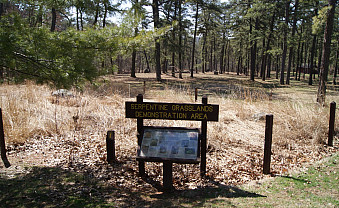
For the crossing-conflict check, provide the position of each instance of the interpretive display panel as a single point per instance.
(170, 143)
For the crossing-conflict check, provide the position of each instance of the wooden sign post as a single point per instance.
(140, 127)
(203, 142)
(192, 142)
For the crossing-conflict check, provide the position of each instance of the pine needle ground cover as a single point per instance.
(56, 145)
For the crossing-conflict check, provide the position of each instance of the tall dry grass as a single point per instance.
(30, 111)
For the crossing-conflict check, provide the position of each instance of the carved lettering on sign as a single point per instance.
(172, 111)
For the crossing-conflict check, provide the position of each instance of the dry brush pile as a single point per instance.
(42, 129)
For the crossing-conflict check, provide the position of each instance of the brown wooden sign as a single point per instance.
(171, 144)
(172, 111)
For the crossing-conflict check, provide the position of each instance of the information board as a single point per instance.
(170, 143)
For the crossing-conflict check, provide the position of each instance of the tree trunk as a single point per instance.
(305, 60)
(81, 21)
(96, 14)
(77, 17)
(194, 36)
(326, 53)
(298, 57)
(301, 60)
(173, 38)
(2, 9)
(336, 65)
(291, 49)
(247, 62)
(180, 39)
(253, 52)
(105, 16)
(214, 54)
(164, 61)
(313, 50)
(314, 41)
(53, 20)
(228, 57)
(204, 48)
(277, 67)
(203, 54)
(222, 53)
(155, 6)
(263, 61)
(268, 46)
(239, 62)
(319, 56)
(39, 17)
(147, 63)
(269, 66)
(283, 60)
(134, 53)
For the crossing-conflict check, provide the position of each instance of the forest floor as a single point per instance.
(56, 145)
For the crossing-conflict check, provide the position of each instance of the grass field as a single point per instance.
(56, 145)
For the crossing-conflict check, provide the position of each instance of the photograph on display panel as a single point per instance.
(170, 143)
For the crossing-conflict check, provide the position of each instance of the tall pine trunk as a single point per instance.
(263, 61)
(155, 7)
(222, 55)
(134, 52)
(301, 60)
(180, 39)
(194, 36)
(268, 46)
(253, 52)
(291, 49)
(173, 38)
(283, 60)
(313, 49)
(336, 64)
(325, 58)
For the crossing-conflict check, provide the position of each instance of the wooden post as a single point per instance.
(110, 146)
(196, 94)
(268, 144)
(140, 127)
(331, 124)
(203, 142)
(167, 176)
(2, 143)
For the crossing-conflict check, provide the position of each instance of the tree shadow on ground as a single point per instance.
(199, 196)
(57, 187)
(225, 85)
(231, 85)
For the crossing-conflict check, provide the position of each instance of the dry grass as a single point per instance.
(235, 143)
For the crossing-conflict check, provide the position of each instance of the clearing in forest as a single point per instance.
(56, 145)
